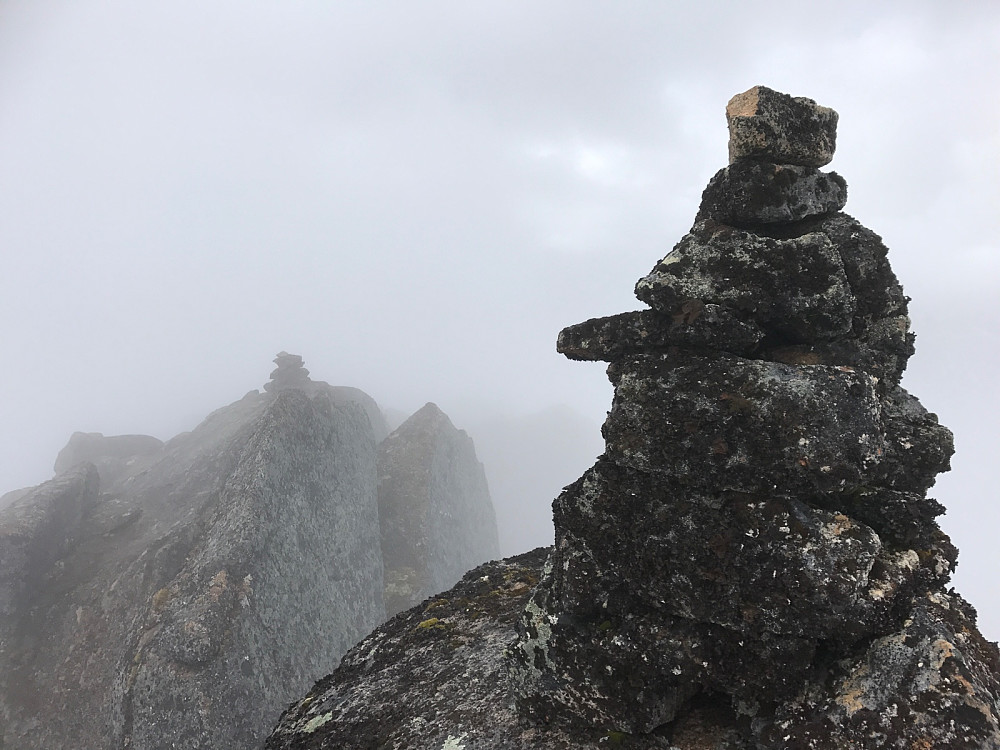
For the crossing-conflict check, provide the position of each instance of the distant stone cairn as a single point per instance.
(290, 374)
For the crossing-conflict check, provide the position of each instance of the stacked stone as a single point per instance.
(289, 374)
(757, 536)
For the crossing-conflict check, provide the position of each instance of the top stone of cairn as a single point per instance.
(767, 125)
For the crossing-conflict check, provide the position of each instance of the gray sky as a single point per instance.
(417, 196)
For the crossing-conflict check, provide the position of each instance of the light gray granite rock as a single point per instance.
(435, 511)
(189, 606)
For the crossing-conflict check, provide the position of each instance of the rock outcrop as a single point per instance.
(435, 512)
(115, 456)
(33, 534)
(179, 595)
(291, 373)
(754, 562)
(219, 575)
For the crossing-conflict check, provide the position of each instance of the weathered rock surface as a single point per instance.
(33, 533)
(754, 562)
(435, 511)
(438, 676)
(766, 124)
(758, 523)
(291, 374)
(345, 394)
(435, 676)
(185, 608)
(749, 193)
(179, 594)
(115, 456)
(695, 325)
(796, 289)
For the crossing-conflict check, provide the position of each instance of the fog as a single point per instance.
(416, 197)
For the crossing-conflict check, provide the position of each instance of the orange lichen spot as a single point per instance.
(219, 583)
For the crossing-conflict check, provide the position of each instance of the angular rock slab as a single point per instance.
(876, 289)
(919, 447)
(765, 564)
(795, 289)
(768, 125)
(727, 423)
(932, 684)
(631, 667)
(750, 193)
(628, 625)
(435, 513)
(648, 331)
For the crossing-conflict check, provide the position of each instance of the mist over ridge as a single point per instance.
(417, 201)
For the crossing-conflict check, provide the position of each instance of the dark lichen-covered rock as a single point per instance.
(820, 292)
(929, 685)
(436, 677)
(435, 512)
(188, 606)
(729, 423)
(700, 593)
(770, 564)
(750, 193)
(696, 325)
(759, 519)
(766, 124)
(754, 562)
(795, 289)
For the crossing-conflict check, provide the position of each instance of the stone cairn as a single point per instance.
(756, 544)
(290, 373)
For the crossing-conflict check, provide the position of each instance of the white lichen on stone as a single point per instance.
(454, 743)
(316, 722)
(908, 559)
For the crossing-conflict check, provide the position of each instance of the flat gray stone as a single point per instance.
(619, 336)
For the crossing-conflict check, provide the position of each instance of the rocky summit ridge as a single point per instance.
(754, 562)
(177, 595)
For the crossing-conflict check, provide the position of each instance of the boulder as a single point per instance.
(435, 676)
(95, 447)
(795, 289)
(768, 125)
(749, 193)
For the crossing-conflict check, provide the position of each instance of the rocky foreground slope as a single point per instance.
(754, 561)
(178, 595)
